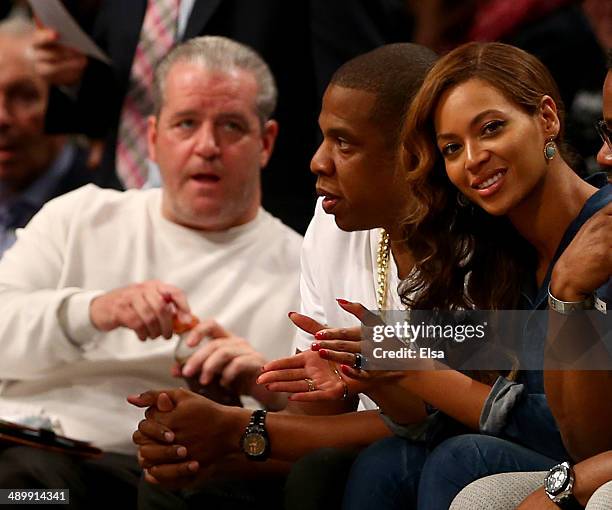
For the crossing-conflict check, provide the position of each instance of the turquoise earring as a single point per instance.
(550, 149)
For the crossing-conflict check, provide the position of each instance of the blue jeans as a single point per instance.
(461, 460)
(385, 475)
(398, 474)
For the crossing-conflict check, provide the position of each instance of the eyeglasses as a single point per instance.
(604, 132)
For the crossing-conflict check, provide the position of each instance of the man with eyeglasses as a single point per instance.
(604, 126)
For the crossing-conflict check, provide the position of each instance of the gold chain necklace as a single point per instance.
(382, 267)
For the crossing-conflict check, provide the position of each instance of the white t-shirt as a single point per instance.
(91, 241)
(337, 264)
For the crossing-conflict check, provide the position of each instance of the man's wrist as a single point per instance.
(565, 306)
(563, 289)
(235, 420)
(97, 318)
(559, 486)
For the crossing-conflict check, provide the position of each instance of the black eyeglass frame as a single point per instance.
(605, 133)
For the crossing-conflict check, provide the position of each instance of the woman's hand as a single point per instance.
(308, 377)
(306, 374)
(344, 346)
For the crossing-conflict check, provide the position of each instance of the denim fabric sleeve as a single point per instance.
(500, 402)
(510, 412)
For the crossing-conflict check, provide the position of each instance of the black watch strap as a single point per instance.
(255, 442)
(562, 496)
(569, 502)
(258, 418)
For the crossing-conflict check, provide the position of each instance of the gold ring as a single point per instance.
(311, 385)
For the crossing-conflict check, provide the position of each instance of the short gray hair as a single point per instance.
(219, 54)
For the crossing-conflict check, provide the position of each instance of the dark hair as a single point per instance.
(450, 242)
(393, 73)
(609, 60)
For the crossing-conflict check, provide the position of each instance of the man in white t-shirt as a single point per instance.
(360, 120)
(98, 272)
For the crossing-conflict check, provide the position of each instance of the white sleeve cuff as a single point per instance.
(74, 318)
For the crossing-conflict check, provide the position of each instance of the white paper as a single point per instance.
(30, 416)
(53, 14)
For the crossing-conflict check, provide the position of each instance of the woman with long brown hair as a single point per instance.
(497, 216)
(484, 152)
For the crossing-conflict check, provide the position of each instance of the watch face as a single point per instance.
(254, 444)
(556, 480)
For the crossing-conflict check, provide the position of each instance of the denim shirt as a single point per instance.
(518, 410)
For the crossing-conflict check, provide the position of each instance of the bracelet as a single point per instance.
(568, 307)
(345, 392)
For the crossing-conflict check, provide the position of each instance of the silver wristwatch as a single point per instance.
(559, 485)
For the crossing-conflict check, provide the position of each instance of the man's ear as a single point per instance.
(152, 137)
(549, 117)
(269, 133)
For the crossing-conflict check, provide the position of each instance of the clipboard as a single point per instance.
(15, 434)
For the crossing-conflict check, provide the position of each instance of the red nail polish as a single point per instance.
(345, 369)
(323, 353)
(315, 346)
(343, 301)
(321, 335)
(289, 314)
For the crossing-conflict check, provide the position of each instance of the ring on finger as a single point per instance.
(359, 361)
(311, 384)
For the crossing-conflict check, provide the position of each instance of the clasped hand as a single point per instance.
(173, 444)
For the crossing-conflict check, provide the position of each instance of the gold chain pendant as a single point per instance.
(382, 266)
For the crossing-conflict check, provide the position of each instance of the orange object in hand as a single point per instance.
(182, 327)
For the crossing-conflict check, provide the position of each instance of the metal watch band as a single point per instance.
(258, 418)
(564, 498)
(568, 307)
